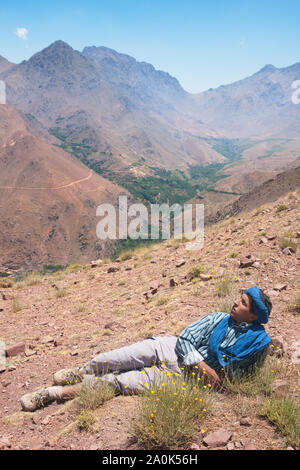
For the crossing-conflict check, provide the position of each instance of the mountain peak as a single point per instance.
(4, 64)
(59, 56)
(267, 68)
(59, 44)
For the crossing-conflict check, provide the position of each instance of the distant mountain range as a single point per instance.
(259, 106)
(133, 128)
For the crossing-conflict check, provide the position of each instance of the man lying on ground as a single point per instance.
(218, 342)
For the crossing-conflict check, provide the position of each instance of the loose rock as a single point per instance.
(218, 438)
(15, 349)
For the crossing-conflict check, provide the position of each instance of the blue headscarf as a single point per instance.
(249, 343)
(258, 306)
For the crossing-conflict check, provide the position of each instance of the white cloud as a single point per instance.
(22, 33)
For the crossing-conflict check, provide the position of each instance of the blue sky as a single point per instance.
(202, 43)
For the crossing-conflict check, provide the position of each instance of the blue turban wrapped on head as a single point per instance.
(259, 308)
(251, 342)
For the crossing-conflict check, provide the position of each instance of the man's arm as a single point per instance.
(213, 377)
(194, 337)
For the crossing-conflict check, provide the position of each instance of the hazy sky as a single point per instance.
(202, 43)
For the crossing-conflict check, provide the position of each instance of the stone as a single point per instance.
(230, 446)
(248, 445)
(47, 339)
(154, 285)
(15, 349)
(30, 352)
(194, 446)
(263, 240)
(287, 251)
(113, 269)
(172, 282)
(180, 263)
(247, 261)
(295, 356)
(46, 421)
(238, 444)
(280, 287)
(271, 237)
(96, 263)
(2, 368)
(280, 388)
(4, 443)
(218, 438)
(245, 422)
(113, 325)
(271, 293)
(205, 277)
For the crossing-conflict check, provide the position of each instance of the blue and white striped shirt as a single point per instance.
(192, 344)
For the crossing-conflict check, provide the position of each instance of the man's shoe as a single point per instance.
(40, 398)
(68, 376)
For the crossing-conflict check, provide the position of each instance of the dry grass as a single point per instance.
(89, 398)
(6, 283)
(225, 286)
(169, 413)
(295, 305)
(284, 413)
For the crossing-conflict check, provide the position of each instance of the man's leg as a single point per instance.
(157, 350)
(152, 351)
(133, 381)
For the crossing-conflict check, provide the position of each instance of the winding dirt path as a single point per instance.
(73, 183)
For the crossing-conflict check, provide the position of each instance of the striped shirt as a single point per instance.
(192, 344)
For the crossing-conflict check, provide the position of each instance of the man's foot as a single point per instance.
(40, 398)
(68, 376)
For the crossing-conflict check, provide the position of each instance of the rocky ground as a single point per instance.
(64, 319)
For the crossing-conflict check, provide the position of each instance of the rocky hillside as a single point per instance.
(62, 320)
(267, 192)
(48, 200)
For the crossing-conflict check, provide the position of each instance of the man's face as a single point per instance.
(241, 310)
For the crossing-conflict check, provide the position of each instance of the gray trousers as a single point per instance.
(134, 368)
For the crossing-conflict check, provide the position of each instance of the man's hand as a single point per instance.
(210, 374)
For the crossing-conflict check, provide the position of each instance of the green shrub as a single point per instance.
(224, 286)
(195, 271)
(284, 412)
(285, 242)
(91, 396)
(6, 283)
(169, 412)
(85, 420)
(282, 207)
(162, 301)
(61, 292)
(125, 255)
(73, 268)
(295, 305)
